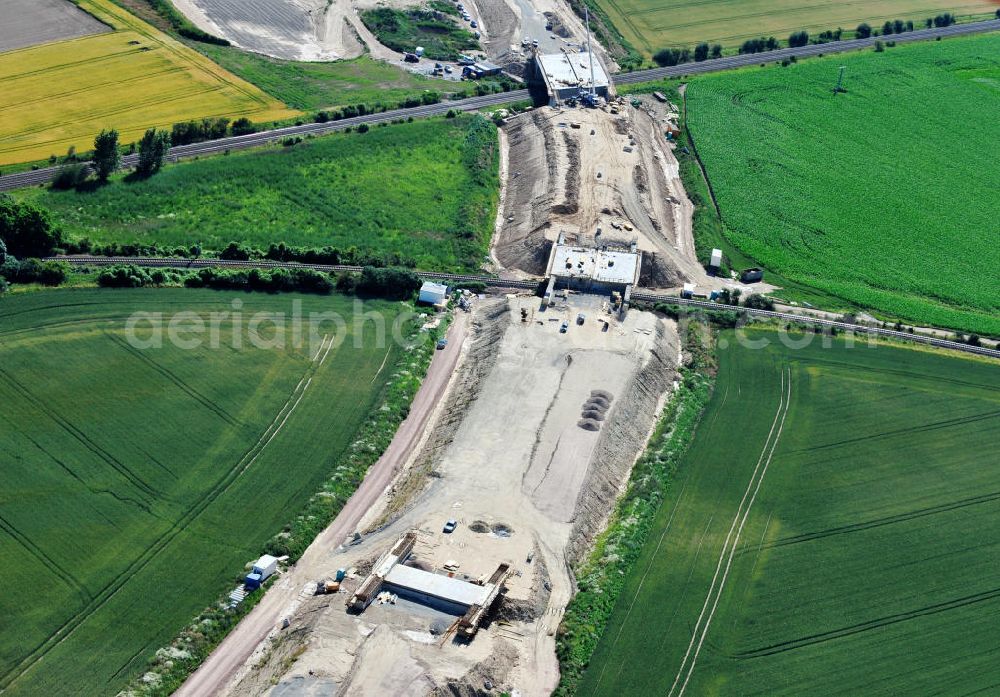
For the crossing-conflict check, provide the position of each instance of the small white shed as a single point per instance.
(716, 258)
(433, 293)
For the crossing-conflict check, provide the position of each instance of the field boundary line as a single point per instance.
(732, 551)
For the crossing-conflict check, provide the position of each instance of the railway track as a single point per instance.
(182, 263)
(46, 174)
(815, 321)
(494, 282)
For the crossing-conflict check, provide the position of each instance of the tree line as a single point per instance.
(390, 283)
(677, 56)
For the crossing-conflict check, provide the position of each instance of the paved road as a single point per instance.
(40, 176)
(236, 648)
(731, 62)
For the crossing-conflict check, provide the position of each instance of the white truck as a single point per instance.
(262, 570)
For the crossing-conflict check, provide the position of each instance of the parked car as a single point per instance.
(450, 526)
(441, 344)
(564, 327)
(580, 318)
(473, 24)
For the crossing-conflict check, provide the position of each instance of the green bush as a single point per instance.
(26, 229)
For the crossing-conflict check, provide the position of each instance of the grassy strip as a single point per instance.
(601, 577)
(437, 212)
(179, 23)
(171, 666)
(607, 34)
(310, 86)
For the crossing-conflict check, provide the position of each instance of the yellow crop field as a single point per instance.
(62, 94)
(650, 25)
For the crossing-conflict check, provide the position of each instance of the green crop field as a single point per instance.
(650, 25)
(138, 481)
(885, 196)
(426, 191)
(842, 540)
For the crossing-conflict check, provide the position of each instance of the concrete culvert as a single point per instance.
(589, 425)
(593, 414)
(479, 526)
(602, 394)
(502, 530)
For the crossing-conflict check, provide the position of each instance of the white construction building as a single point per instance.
(568, 75)
(604, 269)
(433, 293)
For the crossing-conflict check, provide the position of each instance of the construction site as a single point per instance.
(460, 574)
(456, 579)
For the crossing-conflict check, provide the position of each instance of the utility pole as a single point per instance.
(840, 81)
(586, 19)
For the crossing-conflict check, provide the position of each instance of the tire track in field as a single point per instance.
(78, 478)
(677, 505)
(88, 89)
(909, 430)
(888, 520)
(43, 558)
(909, 375)
(177, 381)
(82, 63)
(732, 540)
(84, 440)
(115, 585)
(877, 623)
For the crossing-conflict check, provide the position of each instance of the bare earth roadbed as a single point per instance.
(507, 458)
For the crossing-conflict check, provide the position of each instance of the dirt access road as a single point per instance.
(280, 599)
